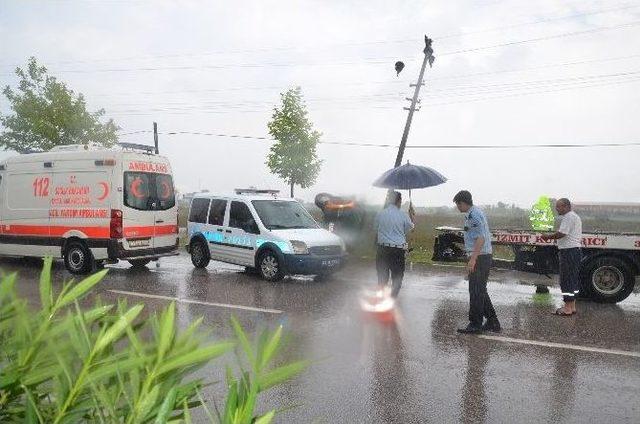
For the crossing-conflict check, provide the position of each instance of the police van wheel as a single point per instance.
(270, 267)
(199, 254)
(139, 263)
(77, 258)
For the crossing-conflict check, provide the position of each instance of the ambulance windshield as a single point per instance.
(148, 191)
(283, 215)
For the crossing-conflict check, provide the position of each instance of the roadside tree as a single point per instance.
(47, 114)
(293, 156)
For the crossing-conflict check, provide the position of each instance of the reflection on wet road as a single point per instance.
(542, 368)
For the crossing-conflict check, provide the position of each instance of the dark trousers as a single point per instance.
(390, 260)
(480, 305)
(570, 272)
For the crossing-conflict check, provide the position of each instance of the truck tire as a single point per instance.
(270, 266)
(200, 256)
(78, 258)
(608, 279)
(138, 263)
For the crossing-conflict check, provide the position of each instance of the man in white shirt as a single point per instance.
(569, 237)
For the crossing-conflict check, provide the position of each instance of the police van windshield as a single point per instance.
(147, 191)
(283, 215)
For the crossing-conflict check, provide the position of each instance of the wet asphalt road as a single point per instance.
(542, 368)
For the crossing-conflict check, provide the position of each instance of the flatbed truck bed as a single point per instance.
(610, 263)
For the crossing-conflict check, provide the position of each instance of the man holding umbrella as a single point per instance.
(392, 227)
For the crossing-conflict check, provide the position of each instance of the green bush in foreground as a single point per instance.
(107, 364)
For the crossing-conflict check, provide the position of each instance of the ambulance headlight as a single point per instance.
(299, 247)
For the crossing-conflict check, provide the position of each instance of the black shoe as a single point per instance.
(470, 329)
(492, 325)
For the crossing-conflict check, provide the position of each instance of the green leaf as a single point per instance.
(33, 415)
(250, 404)
(281, 374)
(107, 370)
(231, 405)
(146, 404)
(244, 342)
(271, 347)
(40, 374)
(197, 356)
(46, 297)
(81, 288)
(7, 286)
(117, 329)
(187, 413)
(266, 418)
(167, 329)
(166, 409)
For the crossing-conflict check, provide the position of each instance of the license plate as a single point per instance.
(331, 262)
(139, 242)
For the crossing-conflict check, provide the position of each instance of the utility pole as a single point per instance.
(155, 137)
(428, 58)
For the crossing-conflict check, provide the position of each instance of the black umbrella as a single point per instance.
(408, 177)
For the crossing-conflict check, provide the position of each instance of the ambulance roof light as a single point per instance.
(139, 147)
(77, 147)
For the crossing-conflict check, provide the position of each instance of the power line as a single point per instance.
(355, 44)
(440, 146)
(385, 82)
(545, 38)
(467, 92)
(367, 61)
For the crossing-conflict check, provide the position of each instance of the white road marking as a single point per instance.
(198, 302)
(561, 346)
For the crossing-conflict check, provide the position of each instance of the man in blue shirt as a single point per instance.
(477, 244)
(392, 226)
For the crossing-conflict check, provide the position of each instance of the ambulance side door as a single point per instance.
(26, 224)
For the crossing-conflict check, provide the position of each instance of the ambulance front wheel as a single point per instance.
(78, 258)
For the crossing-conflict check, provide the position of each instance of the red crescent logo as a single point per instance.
(135, 188)
(166, 190)
(105, 190)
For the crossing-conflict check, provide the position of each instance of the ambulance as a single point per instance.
(89, 206)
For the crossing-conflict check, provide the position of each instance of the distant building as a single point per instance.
(606, 209)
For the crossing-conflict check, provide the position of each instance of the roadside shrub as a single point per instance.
(60, 363)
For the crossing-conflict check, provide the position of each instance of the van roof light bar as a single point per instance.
(137, 146)
(240, 191)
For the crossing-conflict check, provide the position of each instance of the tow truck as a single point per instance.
(610, 263)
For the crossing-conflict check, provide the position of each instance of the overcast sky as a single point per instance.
(569, 73)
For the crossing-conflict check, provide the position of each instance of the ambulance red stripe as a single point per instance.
(52, 231)
(92, 232)
(150, 231)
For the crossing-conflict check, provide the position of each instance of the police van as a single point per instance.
(270, 235)
(89, 206)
